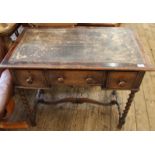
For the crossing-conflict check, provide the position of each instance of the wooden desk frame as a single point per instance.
(132, 71)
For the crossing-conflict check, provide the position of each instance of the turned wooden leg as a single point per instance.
(31, 111)
(127, 107)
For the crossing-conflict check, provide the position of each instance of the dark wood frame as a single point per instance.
(78, 66)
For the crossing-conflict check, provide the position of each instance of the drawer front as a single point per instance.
(29, 78)
(121, 80)
(76, 77)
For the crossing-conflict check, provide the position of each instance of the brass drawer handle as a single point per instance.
(60, 79)
(122, 83)
(90, 80)
(29, 80)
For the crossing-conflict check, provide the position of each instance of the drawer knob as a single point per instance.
(122, 83)
(29, 80)
(61, 79)
(90, 80)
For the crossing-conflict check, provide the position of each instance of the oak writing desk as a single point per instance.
(107, 57)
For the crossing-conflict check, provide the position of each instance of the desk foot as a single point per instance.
(126, 110)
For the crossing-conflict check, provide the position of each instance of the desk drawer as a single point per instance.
(121, 80)
(29, 78)
(76, 77)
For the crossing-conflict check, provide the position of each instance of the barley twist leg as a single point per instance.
(126, 110)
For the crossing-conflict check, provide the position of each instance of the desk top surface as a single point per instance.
(78, 48)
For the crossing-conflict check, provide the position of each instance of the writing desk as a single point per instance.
(107, 57)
